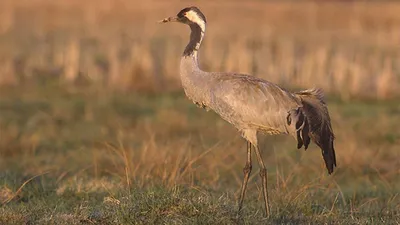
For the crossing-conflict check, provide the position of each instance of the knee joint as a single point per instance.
(247, 168)
(263, 172)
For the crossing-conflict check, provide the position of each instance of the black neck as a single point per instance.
(196, 37)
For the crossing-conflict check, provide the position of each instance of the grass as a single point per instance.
(84, 155)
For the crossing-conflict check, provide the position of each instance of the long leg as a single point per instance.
(246, 172)
(263, 174)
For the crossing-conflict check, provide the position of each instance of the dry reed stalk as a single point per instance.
(234, 52)
(307, 70)
(114, 72)
(286, 60)
(142, 65)
(72, 58)
(266, 62)
(157, 53)
(339, 70)
(357, 78)
(209, 61)
(90, 69)
(171, 61)
(385, 81)
(7, 73)
(58, 56)
(321, 64)
(245, 58)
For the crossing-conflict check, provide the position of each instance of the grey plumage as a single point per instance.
(253, 105)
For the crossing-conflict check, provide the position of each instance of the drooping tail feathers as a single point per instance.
(313, 122)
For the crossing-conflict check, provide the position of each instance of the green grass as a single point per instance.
(132, 158)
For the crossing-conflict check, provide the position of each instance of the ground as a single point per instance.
(88, 156)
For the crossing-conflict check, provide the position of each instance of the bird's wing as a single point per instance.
(249, 101)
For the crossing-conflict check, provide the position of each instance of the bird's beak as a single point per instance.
(169, 19)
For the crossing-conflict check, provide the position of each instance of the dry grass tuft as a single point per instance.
(118, 157)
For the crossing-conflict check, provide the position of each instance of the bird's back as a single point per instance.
(249, 102)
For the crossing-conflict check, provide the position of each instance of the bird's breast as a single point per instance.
(197, 90)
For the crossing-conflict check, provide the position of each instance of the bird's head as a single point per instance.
(189, 15)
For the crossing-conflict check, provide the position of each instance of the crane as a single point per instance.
(253, 105)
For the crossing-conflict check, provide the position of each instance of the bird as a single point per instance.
(253, 105)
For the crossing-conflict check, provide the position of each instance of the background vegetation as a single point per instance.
(94, 126)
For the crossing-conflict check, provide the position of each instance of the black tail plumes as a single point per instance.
(313, 121)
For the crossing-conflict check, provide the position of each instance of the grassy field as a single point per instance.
(95, 129)
(88, 156)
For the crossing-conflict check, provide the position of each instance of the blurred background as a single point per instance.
(91, 102)
(348, 48)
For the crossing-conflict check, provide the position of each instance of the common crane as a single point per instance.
(253, 105)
